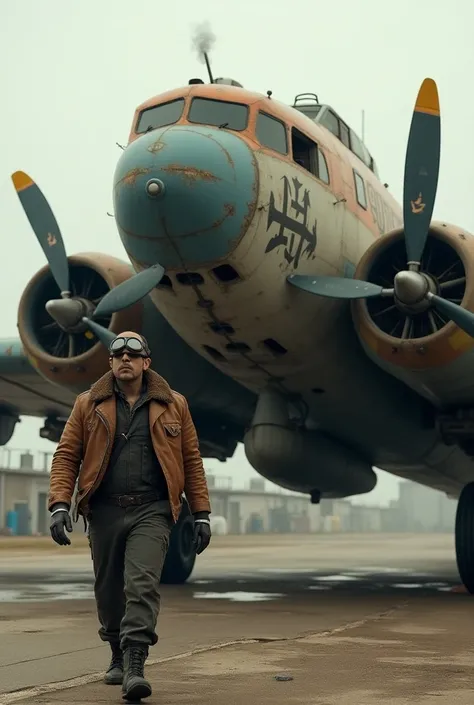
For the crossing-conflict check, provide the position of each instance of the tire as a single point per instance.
(181, 555)
(465, 537)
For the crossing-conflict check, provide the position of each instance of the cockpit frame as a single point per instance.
(326, 116)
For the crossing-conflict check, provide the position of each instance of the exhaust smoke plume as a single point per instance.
(203, 40)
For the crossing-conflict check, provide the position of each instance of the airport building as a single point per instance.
(260, 507)
(24, 483)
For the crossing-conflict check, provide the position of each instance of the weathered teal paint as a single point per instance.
(349, 269)
(211, 186)
(11, 348)
(12, 357)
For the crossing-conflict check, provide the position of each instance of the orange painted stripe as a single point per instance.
(21, 181)
(428, 100)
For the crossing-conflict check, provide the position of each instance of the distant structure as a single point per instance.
(260, 507)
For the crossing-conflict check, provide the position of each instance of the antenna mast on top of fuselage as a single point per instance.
(206, 59)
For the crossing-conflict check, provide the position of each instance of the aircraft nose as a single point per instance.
(184, 195)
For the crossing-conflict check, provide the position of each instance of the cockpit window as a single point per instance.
(233, 116)
(160, 116)
(271, 133)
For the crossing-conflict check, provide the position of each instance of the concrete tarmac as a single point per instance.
(349, 618)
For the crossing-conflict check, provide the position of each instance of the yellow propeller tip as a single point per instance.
(428, 100)
(21, 181)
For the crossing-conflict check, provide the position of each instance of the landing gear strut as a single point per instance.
(465, 537)
(181, 555)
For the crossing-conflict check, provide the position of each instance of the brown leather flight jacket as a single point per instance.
(86, 445)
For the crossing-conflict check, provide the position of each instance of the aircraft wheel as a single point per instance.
(465, 537)
(181, 555)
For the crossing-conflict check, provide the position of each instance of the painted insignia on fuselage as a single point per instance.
(293, 222)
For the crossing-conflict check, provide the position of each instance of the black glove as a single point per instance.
(202, 531)
(59, 520)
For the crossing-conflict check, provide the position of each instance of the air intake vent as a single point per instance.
(225, 273)
(221, 328)
(165, 283)
(238, 347)
(274, 347)
(189, 278)
(214, 353)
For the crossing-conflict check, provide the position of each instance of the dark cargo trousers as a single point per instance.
(128, 547)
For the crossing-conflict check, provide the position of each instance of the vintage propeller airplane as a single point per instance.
(249, 224)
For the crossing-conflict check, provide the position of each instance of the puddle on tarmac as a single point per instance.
(284, 571)
(238, 596)
(441, 587)
(47, 593)
(366, 581)
(370, 569)
(337, 578)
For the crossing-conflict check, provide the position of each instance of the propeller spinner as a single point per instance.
(76, 313)
(414, 291)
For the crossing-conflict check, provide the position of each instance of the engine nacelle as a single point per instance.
(431, 355)
(301, 459)
(75, 360)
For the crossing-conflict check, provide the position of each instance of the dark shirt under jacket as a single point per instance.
(137, 469)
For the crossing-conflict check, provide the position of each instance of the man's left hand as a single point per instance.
(202, 531)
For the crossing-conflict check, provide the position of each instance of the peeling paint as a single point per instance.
(218, 168)
(131, 176)
(229, 211)
(190, 173)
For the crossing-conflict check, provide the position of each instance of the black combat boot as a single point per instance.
(134, 685)
(114, 675)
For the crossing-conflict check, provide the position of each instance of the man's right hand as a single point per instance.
(60, 520)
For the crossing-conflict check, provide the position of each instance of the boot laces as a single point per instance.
(137, 662)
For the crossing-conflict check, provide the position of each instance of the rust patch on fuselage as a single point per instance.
(190, 173)
(131, 176)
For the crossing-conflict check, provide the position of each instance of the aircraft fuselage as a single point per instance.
(230, 209)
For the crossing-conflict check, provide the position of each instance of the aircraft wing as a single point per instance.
(23, 391)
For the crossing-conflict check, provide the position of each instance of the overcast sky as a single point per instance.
(72, 74)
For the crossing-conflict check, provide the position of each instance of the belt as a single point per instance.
(131, 500)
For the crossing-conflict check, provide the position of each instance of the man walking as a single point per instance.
(132, 442)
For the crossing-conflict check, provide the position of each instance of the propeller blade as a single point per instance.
(421, 170)
(45, 227)
(103, 334)
(462, 318)
(337, 287)
(129, 292)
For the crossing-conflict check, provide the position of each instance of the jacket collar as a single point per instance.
(157, 388)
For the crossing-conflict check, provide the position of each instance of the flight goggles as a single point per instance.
(134, 346)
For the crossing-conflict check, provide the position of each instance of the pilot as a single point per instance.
(130, 488)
